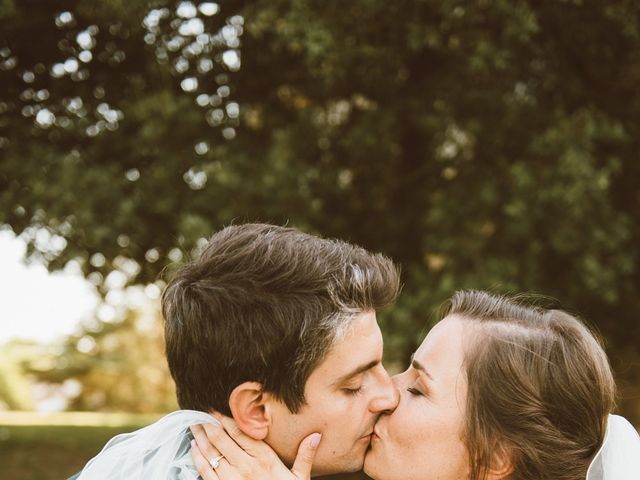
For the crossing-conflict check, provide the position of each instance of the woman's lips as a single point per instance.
(367, 436)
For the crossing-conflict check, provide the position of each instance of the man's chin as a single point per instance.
(332, 466)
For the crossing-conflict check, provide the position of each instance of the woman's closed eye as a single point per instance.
(415, 392)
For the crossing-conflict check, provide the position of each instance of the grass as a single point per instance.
(55, 446)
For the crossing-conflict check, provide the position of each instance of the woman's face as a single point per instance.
(422, 438)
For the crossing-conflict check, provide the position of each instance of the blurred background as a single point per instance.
(481, 144)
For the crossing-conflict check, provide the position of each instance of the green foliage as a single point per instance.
(480, 144)
(15, 387)
(117, 366)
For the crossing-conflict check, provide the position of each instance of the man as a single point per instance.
(277, 328)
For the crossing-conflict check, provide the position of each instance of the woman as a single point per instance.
(499, 389)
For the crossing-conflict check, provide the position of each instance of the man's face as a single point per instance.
(344, 396)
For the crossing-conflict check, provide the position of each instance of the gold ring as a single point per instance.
(215, 462)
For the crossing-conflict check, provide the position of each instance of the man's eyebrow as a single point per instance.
(357, 371)
(418, 366)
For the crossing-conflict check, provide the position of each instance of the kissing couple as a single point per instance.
(272, 340)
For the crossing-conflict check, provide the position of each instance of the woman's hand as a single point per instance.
(236, 456)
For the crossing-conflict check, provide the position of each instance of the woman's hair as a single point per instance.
(539, 388)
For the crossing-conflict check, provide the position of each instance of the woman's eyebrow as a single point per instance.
(418, 366)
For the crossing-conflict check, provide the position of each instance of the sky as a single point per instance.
(36, 304)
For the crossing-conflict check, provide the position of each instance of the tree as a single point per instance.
(487, 145)
(15, 391)
(116, 366)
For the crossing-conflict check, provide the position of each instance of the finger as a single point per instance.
(209, 451)
(202, 464)
(306, 453)
(221, 440)
(250, 445)
(224, 469)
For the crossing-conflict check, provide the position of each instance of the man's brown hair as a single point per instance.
(540, 387)
(265, 303)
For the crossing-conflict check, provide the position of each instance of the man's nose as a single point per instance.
(399, 380)
(388, 397)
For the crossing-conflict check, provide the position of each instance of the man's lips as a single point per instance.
(367, 436)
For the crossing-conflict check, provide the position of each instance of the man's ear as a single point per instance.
(247, 405)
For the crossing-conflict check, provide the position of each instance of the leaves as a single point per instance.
(486, 145)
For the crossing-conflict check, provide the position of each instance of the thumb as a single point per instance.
(306, 453)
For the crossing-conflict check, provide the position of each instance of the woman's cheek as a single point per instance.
(404, 426)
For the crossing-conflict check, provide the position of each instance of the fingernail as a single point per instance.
(315, 440)
(193, 443)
